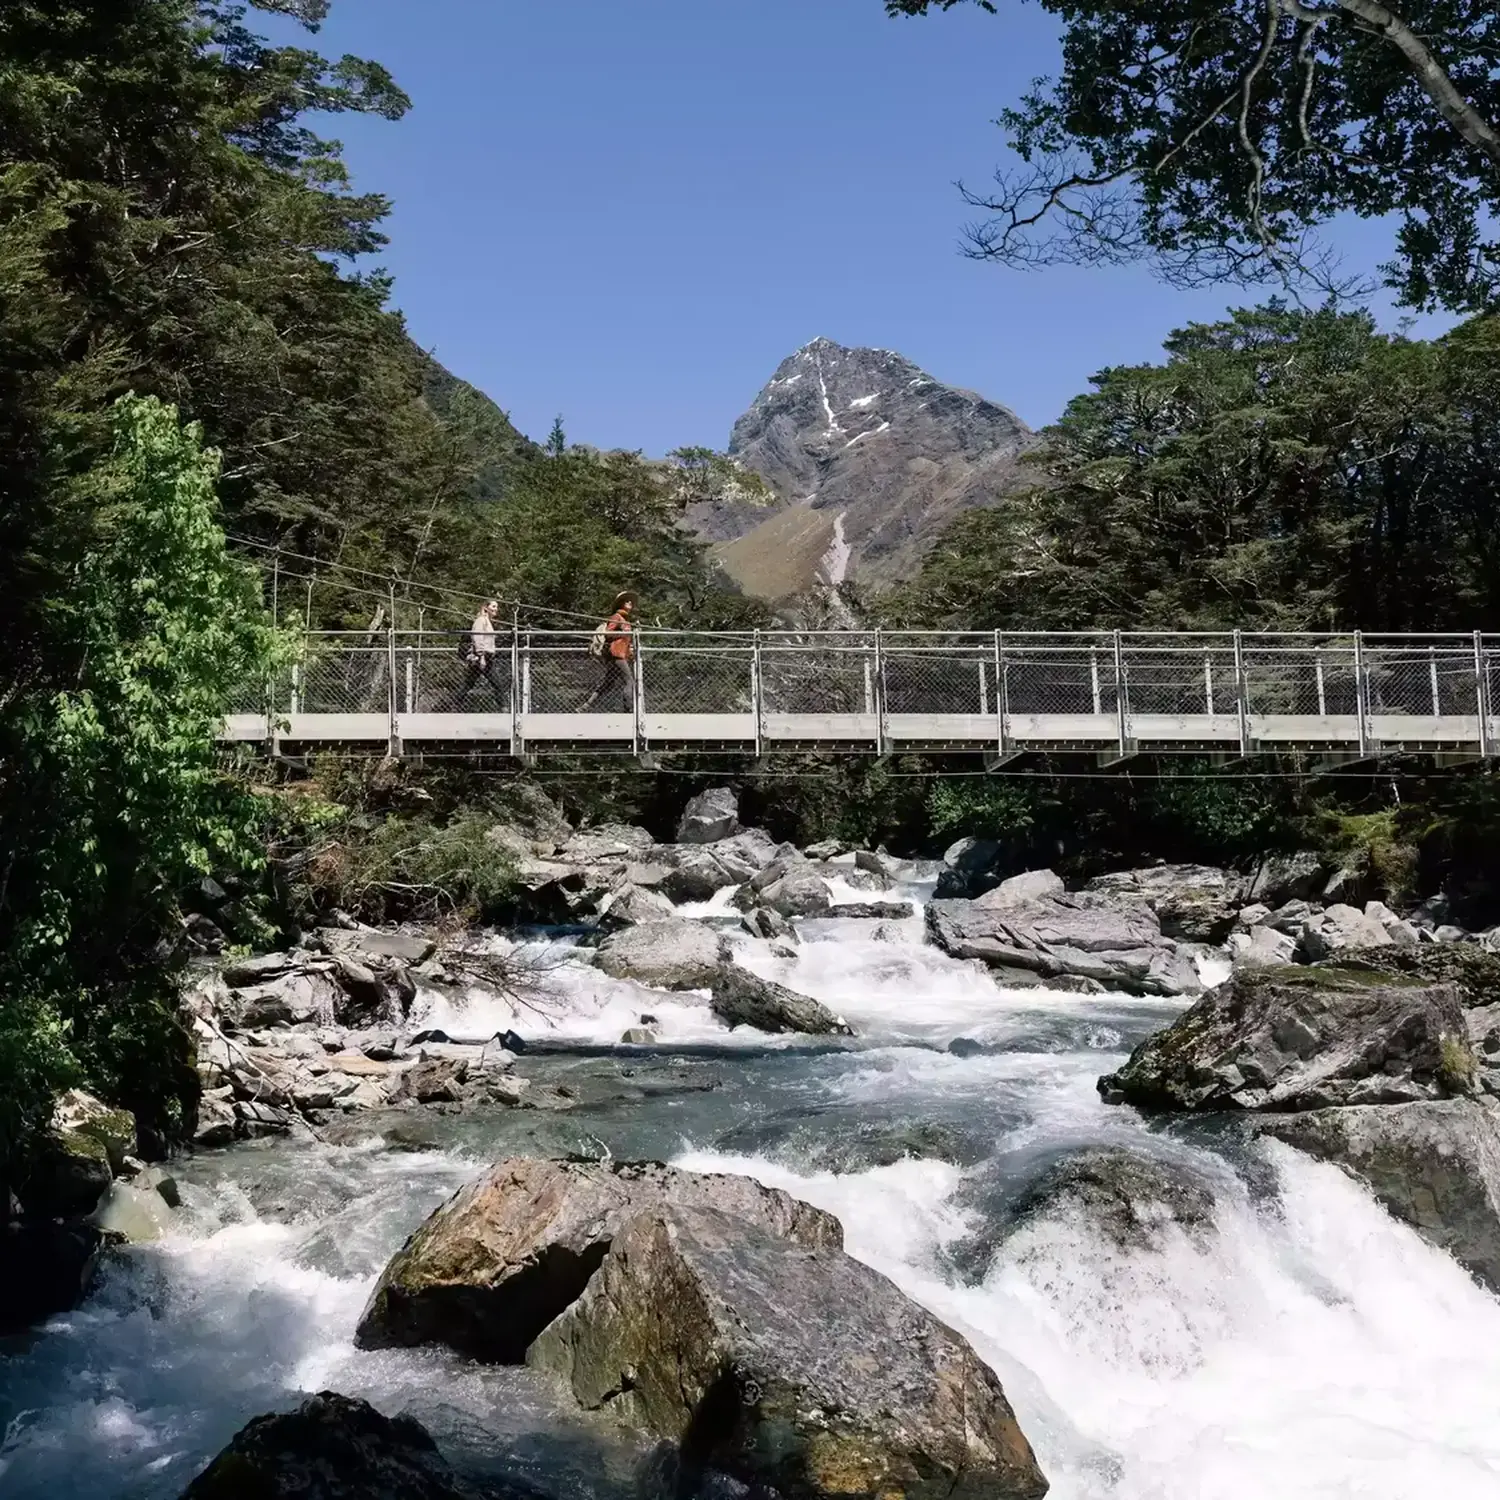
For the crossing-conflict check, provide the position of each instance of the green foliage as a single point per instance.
(1213, 135)
(1281, 470)
(1458, 1068)
(398, 868)
(112, 798)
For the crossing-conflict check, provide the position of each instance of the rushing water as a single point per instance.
(1310, 1349)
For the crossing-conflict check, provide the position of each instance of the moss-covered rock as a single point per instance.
(1302, 1038)
(79, 1113)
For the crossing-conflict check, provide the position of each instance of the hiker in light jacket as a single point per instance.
(617, 661)
(477, 649)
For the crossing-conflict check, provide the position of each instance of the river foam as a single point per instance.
(1309, 1349)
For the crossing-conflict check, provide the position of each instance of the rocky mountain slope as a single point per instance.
(870, 458)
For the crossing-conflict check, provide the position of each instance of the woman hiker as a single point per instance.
(614, 645)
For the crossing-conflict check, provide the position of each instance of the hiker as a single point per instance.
(613, 645)
(477, 651)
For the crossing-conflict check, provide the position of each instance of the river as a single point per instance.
(1310, 1349)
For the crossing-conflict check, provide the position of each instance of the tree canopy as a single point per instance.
(1216, 136)
(1281, 470)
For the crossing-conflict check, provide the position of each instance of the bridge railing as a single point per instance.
(890, 686)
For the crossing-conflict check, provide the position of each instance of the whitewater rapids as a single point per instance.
(1311, 1349)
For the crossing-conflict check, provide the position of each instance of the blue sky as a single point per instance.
(630, 211)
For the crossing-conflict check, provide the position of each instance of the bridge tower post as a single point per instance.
(880, 735)
(517, 743)
(1241, 704)
(1361, 695)
(1482, 695)
(757, 698)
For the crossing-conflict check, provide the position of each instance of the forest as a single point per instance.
(198, 363)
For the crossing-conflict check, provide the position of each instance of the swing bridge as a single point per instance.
(1110, 695)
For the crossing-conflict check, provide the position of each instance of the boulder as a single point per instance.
(1280, 878)
(1435, 1166)
(216, 1121)
(826, 849)
(638, 1036)
(873, 911)
(66, 1174)
(695, 874)
(1302, 1038)
(45, 1268)
(246, 973)
(1108, 940)
(505, 1255)
(132, 1214)
(1261, 948)
(1337, 929)
(609, 843)
(631, 905)
(741, 998)
(333, 1448)
(969, 869)
(789, 888)
(797, 1372)
(1194, 903)
(762, 922)
(79, 1113)
(878, 862)
(1132, 1200)
(711, 815)
(669, 955)
(433, 1081)
(1034, 885)
(379, 948)
(308, 993)
(748, 852)
(1397, 929)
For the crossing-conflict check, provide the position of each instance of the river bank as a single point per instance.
(1290, 1338)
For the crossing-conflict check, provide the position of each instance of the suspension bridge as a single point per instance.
(1111, 695)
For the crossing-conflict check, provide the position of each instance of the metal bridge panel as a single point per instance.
(582, 728)
(837, 729)
(447, 726)
(335, 728)
(705, 729)
(245, 728)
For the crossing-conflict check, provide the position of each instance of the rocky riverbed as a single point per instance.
(1255, 1259)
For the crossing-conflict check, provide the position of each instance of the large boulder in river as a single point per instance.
(1196, 903)
(333, 1448)
(1280, 878)
(969, 868)
(1303, 1038)
(1436, 1166)
(1115, 942)
(798, 1370)
(741, 998)
(505, 1255)
(789, 886)
(46, 1267)
(711, 815)
(676, 954)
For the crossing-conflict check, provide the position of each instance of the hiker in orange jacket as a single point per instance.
(617, 656)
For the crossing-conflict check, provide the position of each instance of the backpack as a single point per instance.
(466, 651)
(599, 641)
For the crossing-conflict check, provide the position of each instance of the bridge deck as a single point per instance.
(1114, 695)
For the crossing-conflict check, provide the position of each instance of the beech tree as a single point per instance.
(1216, 136)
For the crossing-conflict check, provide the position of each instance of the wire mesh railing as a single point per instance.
(1109, 683)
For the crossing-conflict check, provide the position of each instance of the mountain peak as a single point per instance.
(875, 456)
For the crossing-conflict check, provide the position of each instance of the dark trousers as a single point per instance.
(479, 669)
(616, 672)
